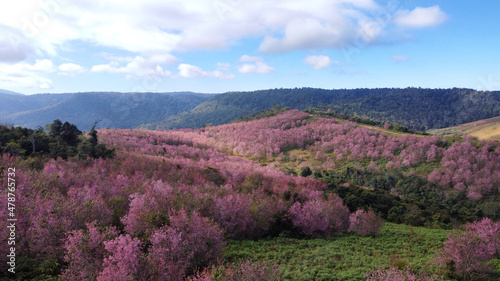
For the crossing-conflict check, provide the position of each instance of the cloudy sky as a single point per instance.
(215, 46)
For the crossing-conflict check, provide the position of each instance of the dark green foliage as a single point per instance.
(22, 141)
(70, 134)
(407, 199)
(275, 110)
(30, 268)
(305, 172)
(346, 257)
(362, 120)
(61, 140)
(91, 148)
(413, 108)
(214, 175)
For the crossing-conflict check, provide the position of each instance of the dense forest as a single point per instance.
(61, 140)
(415, 108)
(285, 195)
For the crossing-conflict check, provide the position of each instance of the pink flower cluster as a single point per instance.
(365, 223)
(467, 252)
(467, 168)
(163, 204)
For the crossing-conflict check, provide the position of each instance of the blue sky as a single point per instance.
(215, 46)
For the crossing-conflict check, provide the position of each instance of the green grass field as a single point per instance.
(347, 257)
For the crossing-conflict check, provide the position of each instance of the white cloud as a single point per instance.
(167, 26)
(247, 58)
(71, 68)
(307, 33)
(103, 68)
(42, 65)
(399, 58)
(46, 85)
(421, 17)
(318, 62)
(223, 66)
(138, 66)
(25, 75)
(151, 30)
(255, 65)
(175, 25)
(192, 71)
(13, 46)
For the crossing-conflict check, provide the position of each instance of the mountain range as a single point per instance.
(114, 110)
(415, 108)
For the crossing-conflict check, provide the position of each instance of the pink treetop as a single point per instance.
(365, 223)
(125, 261)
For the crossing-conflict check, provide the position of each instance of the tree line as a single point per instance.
(58, 139)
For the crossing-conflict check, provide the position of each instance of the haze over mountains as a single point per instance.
(416, 108)
(115, 110)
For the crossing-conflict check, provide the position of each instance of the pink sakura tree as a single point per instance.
(245, 216)
(365, 223)
(125, 262)
(85, 252)
(190, 241)
(467, 252)
(470, 169)
(320, 217)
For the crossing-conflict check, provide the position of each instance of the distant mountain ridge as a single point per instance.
(2, 91)
(115, 110)
(415, 108)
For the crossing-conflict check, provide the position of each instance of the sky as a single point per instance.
(216, 46)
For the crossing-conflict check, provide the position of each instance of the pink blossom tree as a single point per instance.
(190, 241)
(467, 252)
(85, 252)
(365, 223)
(125, 262)
(319, 216)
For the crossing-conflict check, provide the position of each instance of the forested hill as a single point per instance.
(115, 110)
(416, 108)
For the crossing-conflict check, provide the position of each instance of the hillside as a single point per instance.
(288, 197)
(116, 110)
(487, 129)
(415, 108)
(2, 91)
(12, 104)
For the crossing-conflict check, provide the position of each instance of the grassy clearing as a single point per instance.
(391, 133)
(487, 129)
(347, 257)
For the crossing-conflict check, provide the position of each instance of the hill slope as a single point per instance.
(2, 91)
(169, 196)
(416, 108)
(12, 104)
(116, 110)
(487, 129)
